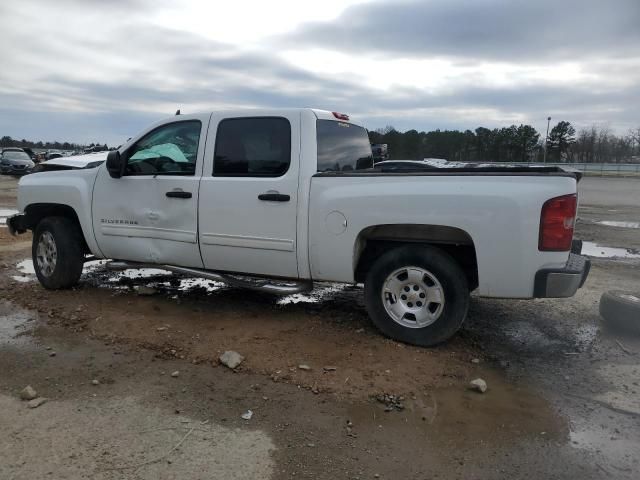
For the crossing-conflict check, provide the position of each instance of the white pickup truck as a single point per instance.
(277, 199)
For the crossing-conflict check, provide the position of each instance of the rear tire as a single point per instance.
(417, 295)
(58, 252)
(621, 310)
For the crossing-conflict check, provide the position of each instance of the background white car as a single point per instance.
(89, 160)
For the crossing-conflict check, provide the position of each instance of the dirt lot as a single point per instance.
(563, 398)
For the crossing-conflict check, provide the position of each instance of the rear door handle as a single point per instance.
(178, 194)
(274, 197)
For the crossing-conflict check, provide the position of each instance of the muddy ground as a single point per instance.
(563, 398)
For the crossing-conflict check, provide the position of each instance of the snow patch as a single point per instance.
(5, 213)
(620, 224)
(26, 267)
(315, 296)
(23, 279)
(592, 249)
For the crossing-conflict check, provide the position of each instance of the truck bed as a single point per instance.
(420, 167)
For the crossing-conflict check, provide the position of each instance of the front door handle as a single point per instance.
(274, 197)
(178, 194)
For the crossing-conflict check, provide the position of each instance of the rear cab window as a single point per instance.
(252, 147)
(342, 147)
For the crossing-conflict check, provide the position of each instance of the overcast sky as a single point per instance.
(92, 70)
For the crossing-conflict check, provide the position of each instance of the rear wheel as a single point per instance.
(417, 294)
(57, 252)
(621, 310)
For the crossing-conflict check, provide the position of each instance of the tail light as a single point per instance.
(557, 221)
(340, 116)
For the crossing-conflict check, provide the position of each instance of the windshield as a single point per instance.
(342, 147)
(12, 155)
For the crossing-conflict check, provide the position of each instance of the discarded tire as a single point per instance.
(621, 310)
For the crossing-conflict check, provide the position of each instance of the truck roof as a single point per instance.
(319, 113)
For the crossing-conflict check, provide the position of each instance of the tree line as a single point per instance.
(516, 143)
(7, 141)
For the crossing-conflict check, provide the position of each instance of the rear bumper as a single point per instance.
(563, 282)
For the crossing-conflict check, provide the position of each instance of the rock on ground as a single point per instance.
(231, 359)
(28, 393)
(479, 385)
(36, 402)
(247, 415)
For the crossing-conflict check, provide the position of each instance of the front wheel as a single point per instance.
(417, 295)
(57, 252)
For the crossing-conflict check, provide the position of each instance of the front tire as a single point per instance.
(58, 253)
(417, 295)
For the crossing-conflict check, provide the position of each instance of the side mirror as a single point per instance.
(115, 164)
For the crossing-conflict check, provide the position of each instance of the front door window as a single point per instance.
(169, 150)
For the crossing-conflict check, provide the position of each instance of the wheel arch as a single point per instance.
(375, 239)
(36, 212)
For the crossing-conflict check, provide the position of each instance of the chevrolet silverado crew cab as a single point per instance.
(277, 199)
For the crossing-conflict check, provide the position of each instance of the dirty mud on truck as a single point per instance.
(128, 363)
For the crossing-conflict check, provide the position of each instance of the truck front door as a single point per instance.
(150, 213)
(249, 195)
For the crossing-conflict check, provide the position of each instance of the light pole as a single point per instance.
(546, 140)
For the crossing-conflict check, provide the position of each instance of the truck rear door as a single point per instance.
(249, 194)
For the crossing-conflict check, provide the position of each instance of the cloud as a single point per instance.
(477, 30)
(92, 71)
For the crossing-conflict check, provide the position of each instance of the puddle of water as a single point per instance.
(615, 438)
(4, 213)
(624, 394)
(592, 249)
(620, 224)
(14, 325)
(454, 415)
(616, 451)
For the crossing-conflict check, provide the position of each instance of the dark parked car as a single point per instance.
(15, 161)
(29, 152)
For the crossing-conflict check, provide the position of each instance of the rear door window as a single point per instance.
(342, 147)
(253, 147)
